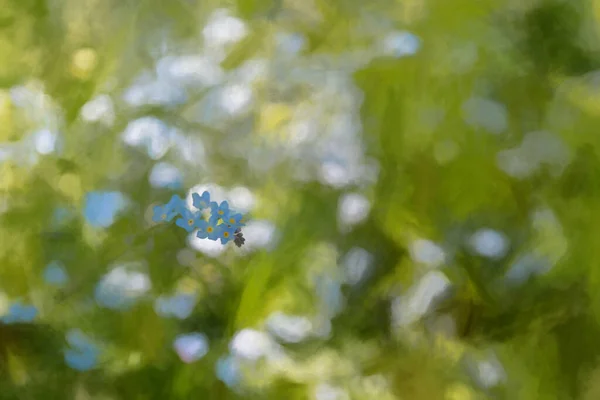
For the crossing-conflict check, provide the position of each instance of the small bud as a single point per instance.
(239, 238)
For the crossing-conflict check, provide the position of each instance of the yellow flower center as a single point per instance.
(209, 229)
(190, 222)
(232, 220)
(164, 216)
(220, 212)
(225, 234)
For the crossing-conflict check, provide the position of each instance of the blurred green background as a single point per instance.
(422, 180)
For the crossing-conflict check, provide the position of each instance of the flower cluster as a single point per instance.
(222, 223)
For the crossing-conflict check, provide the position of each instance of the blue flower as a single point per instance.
(235, 220)
(208, 229)
(18, 313)
(226, 233)
(219, 211)
(191, 347)
(81, 360)
(228, 370)
(180, 306)
(201, 202)
(82, 354)
(189, 220)
(176, 204)
(102, 208)
(55, 274)
(168, 211)
(162, 214)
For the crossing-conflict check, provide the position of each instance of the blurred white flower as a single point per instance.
(208, 247)
(217, 193)
(252, 345)
(242, 199)
(427, 252)
(259, 234)
(412, 306)
(121, 287)
(190, 70)
(352, 209)
(236, 98)
(99, 109)
(151, 133)
(288, 328)
(39, 108)
(356, 264)
(325, 391)
(487, 372)
(487, 114)
(538, 148)
(189, 148)
(149, 91)
(191, 347)
(165, 175)
(515, 163)
(300, 131)
(223, 29)
(289, 43)
(335, 174)
(45, 141)
(400, 43)
(251, 71)
(489, 243)
(490, 374)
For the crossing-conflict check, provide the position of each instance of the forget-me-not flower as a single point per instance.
(226, 233)
(189, 220)
(220, 211)
(208, 229)
(201, 202)
(176, 204)
(167, 212)
(222, 223)
(235, 220)
(161, 214)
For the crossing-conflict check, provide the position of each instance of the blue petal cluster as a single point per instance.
(82, 354)
(19, 314)
(223, 223)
